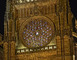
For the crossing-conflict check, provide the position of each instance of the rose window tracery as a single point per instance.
(37, 33)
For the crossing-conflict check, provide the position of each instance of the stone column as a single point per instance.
(58, 38)
(12, 50)
(67, 45)
(59, 49)
(5, 46)
(67, 48)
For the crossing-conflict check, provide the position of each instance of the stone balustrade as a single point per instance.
(52, 47)
(27, 1)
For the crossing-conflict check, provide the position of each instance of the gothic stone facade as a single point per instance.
(18, 13)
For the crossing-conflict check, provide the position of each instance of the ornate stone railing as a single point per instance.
(27, 1)
(52, 47)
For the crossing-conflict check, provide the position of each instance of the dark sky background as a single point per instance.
(73, 4)
(2, 12)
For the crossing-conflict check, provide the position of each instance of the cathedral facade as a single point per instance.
(38, 30)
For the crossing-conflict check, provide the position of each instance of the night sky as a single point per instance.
(73, 5)
(2, 12)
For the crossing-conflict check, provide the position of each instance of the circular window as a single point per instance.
(37, 32)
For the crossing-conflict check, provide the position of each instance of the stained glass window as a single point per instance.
(37, 33)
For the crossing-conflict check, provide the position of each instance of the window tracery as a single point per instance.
(37, 33)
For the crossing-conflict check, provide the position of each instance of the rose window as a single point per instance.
(37, 33)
